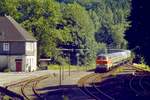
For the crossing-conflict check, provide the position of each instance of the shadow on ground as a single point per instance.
(6, 92)
(120, 87)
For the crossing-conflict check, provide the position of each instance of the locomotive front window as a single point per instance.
(101, 58)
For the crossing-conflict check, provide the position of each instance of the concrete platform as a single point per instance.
(14, 77)
(11, 77)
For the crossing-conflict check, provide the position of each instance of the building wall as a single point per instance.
(30, 63)
(12, 62)
(30, 48)
(29, 58)
(15, 48)
(3, 62)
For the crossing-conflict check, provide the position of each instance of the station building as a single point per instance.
(18, 48)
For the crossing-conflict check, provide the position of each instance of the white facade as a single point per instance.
(12, 62)
(18, 49)
(3, 61)
(28, 62)
(31, 56)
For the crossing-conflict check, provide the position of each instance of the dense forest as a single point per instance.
(89, 26)
(138, 35)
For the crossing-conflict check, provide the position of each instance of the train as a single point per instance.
(105, 62)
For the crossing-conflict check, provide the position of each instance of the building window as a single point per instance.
(29, 46)
(5, 46)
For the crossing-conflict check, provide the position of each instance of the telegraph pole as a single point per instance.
(61, 69)
(69, 65)
(60, 75)
(77, 61)
(62, 72)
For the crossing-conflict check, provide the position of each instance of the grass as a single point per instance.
(6, 98)
(66, 67)
(143, 67)
(118, 70)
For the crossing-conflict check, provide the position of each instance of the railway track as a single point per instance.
(88, 83)
(137, 69)
(145, 85)
(28, 87)
(92, 90)
(144, 82)
(33, 83)
(87, 89)
(134, 83)
(103, 94)
(138, 86)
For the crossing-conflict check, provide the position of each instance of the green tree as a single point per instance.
(110, 19)
(42, 19)
(8, 7)
(81, 28)
(78, 24)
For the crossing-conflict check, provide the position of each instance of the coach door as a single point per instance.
(18, 65)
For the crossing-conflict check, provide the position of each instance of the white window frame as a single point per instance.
(30, 46)
(6, 47)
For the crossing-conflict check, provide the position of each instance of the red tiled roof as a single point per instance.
(10, 30)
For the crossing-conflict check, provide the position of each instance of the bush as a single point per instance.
(7, 97)
(7, 70)
(142, 66)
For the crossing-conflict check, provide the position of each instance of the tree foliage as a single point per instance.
(89, 25)
(81, 29)
(112, 17)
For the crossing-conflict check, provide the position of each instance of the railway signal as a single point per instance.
(61, 69)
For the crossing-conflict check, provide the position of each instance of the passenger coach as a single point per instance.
(104, 62)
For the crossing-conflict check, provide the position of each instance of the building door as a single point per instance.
(18, 65)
